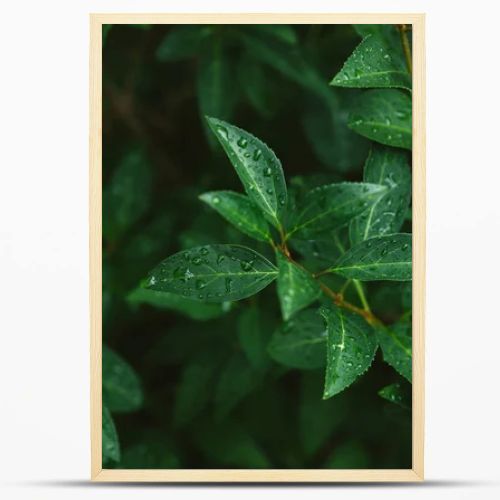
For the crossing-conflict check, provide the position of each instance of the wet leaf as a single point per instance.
(239, 211)
(297, 288)
(213, 273)
(397, 393)
(257, 167)
(396, 344)
(110, 443)
(381, 258)
(191, 308)
(121, 387)
(351, 348)
(334, 205)
(389, 167)
(383, 116)
(300, 342)
(373, 65)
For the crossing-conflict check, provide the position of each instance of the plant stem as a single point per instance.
(339, 301)
(403, 28)
(362, 296)
(338, 297)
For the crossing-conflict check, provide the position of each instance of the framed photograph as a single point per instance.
(257, 247)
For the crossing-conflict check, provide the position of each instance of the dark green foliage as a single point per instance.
(207, 363)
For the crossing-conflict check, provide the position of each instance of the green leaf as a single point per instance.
(257, 167)
(264, 94)
(253, 335)
(399, 394)
(230, 445)
(193, 309)
(390, 36)
(334, 205)
(372, 65)
(240, 211)
(106, 28)
(383, 116)
(300, 342)
(280, 32)
(389, 167)
(396, 344)
(121, 388)
(182, 42)
(110, 443)
(195, 387)
(351, 348)
(213, 273)
(127, 196)
(282, 57)
(151, 453)
(318, 419)
(237, 379)
(296, 287)
(350, 455)
(381, 258)
(217, 94)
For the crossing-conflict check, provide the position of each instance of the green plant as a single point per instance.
(337, 243)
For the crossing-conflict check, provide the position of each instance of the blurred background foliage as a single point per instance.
(191, 384)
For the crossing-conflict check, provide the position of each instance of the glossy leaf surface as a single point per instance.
(121, 388)
(213, 273)
(193, 309)
(351, 347)
(381, 258)
(373, 65)
(300, 342)
(296, 287)
(396, 344)
(257, 167)
(389, 167)
(240, 211)
(334, 205)
(397, 393)
(383, 116)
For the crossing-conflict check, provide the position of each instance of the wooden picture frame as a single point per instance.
(416, 473)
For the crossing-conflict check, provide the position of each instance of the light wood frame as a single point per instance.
(416, 473)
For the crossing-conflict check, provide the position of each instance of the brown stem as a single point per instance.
(403, 28)
(338, 299)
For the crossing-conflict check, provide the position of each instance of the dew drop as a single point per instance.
(216, 200)
(196, 261)
(269, 191)
(200, 284)
(268, 171)
(220, 259)
(204, 251)
(257, 154)
(242, 143)
(405, 246)
(222, 131)
(384, 251)
(246, 266)
(229, 282)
